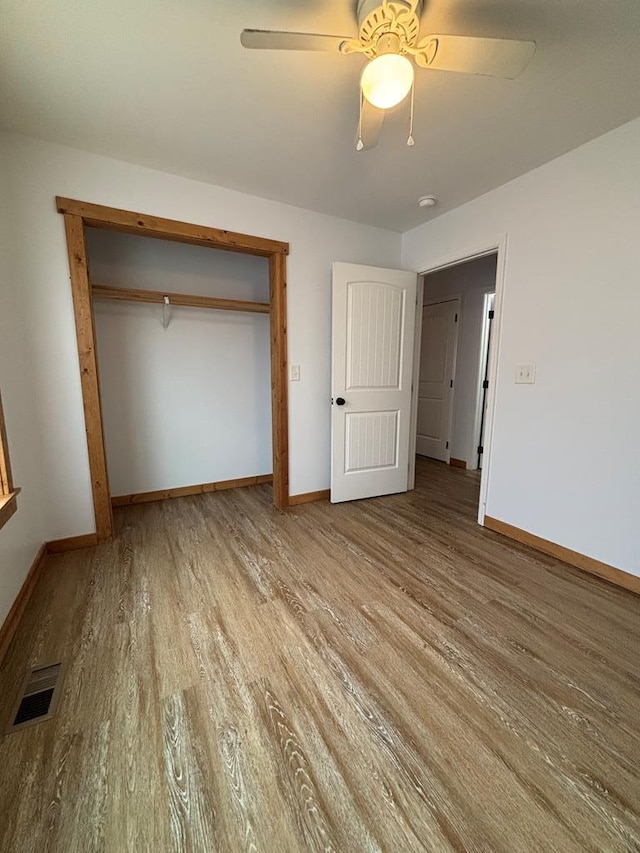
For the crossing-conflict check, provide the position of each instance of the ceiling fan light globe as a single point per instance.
(387, 80)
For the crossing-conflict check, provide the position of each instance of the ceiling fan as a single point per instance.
(388, 36)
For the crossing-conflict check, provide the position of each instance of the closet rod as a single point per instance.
(123, 294)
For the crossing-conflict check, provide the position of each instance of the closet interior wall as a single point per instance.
(188, 404)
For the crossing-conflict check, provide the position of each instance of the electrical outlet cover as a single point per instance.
(525, 374)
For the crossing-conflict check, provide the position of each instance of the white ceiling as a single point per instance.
(166, 84)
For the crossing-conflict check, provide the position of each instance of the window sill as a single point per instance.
(8, 505)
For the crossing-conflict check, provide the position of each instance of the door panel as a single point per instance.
(371, 440)
(434, 347)
(429, 417)
(437, 367)
(375, 314)
(372, 354)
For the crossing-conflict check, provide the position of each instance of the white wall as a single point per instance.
(565, 461)
(470, 281)
(23, 534)
(189, 404)
(37, 172)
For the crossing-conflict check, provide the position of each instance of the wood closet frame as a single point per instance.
(79, 215)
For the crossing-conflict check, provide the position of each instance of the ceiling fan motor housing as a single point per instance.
(399, 17)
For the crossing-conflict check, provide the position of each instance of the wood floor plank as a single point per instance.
(376, 676)
(191, 810)
(252, 811)
(136, 757)
(387, 785)
(296, 778)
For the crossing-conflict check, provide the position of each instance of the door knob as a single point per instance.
(340, 401)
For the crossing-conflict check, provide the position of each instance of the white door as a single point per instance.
(435, 388)
(372, 363)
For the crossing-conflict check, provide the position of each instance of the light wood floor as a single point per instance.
(381, 675)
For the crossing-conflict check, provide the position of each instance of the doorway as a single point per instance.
(456, 362)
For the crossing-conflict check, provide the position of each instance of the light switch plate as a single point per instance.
(525, 374)
(294, 372)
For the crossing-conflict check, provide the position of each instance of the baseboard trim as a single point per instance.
(74, 543)
(457, 463)
(309, 497)
(71, 543)
(186, 491)
(12, 620)
(574, 558)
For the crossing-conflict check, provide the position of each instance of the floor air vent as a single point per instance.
(38, 697)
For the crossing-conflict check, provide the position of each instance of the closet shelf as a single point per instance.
(158, 296)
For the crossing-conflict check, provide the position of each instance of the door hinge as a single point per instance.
(480, 449)
(456, 320)
(451, 383)
(447, 446)
(491, 314)
(485, 383)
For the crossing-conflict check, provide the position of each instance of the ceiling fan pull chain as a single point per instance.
(360, 143)
(411, 141)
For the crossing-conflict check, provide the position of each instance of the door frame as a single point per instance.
(453, 259)
(78, 216)
(482, 363)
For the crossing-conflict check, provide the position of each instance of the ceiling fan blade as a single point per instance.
(274, 40)
(491, 57)
(371, 121)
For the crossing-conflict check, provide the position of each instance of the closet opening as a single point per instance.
(182, 356)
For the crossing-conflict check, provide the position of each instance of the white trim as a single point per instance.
(498, 247)
(454, 259)
(417, 342)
